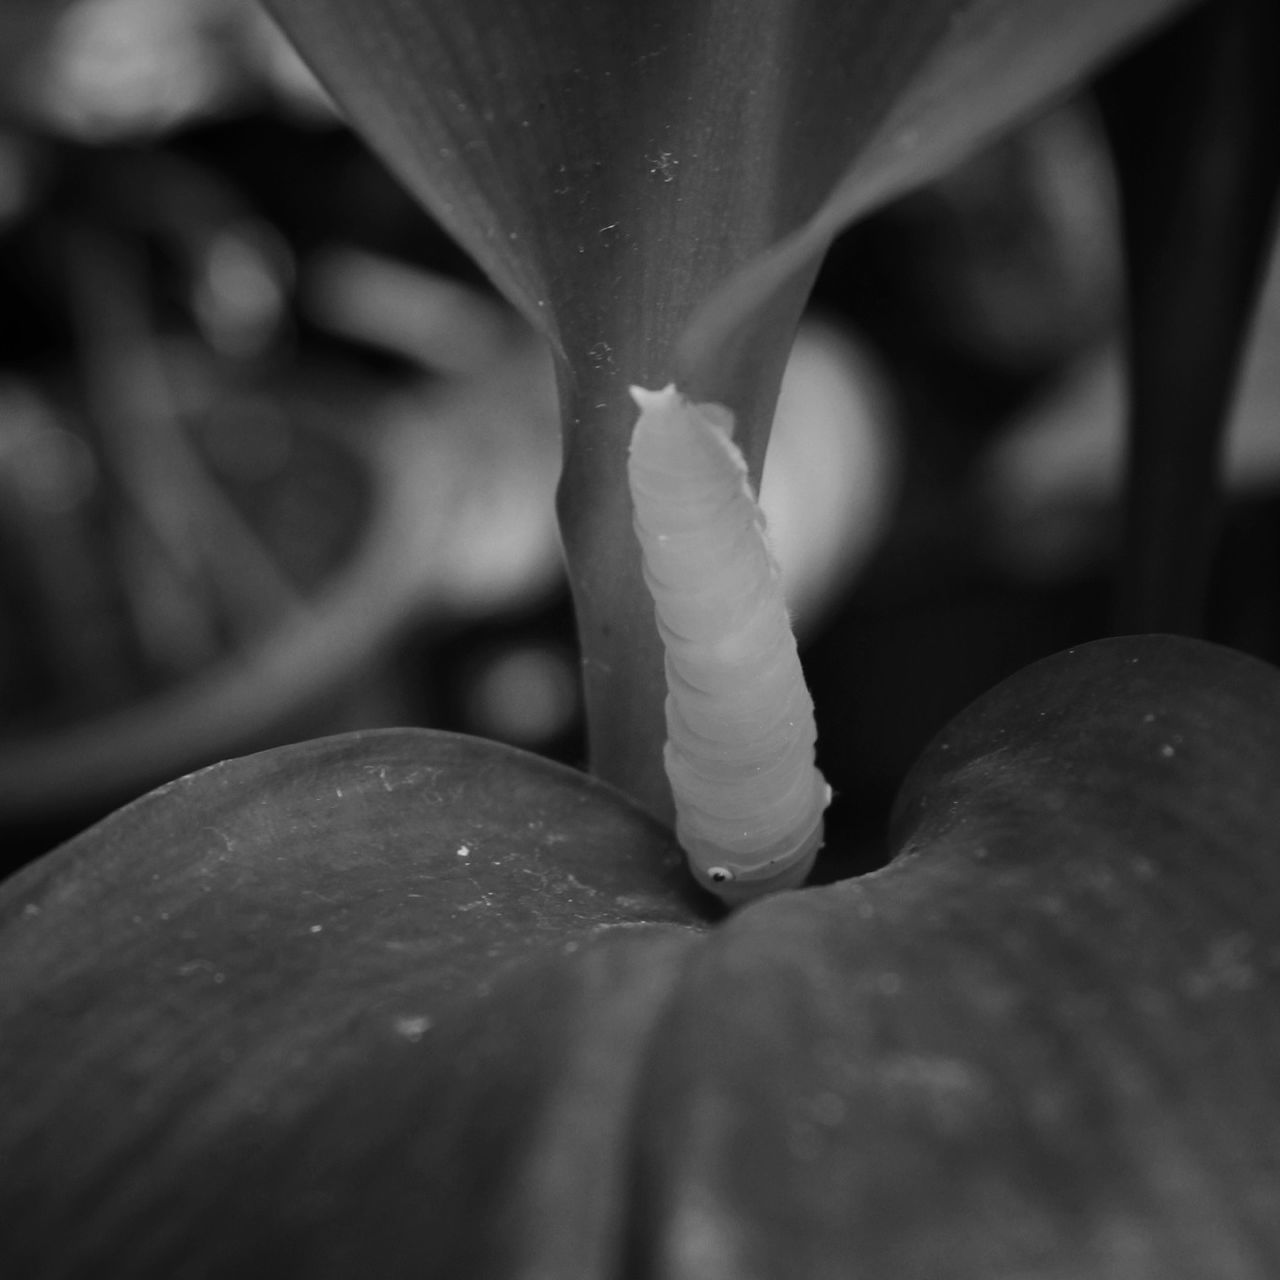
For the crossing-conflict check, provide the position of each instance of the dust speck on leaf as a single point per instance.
(412, 1027)
(664, 166)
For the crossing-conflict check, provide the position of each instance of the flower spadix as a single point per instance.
(740, 729)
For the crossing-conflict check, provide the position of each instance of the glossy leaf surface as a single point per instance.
(1042, 1041)
(199, 979)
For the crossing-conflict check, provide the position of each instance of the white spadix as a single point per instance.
(740, 729)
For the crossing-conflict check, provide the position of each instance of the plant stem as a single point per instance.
(624, 686)
(1194, 119)
(624, 680)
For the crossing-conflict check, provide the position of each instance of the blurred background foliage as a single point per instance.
(275, 462)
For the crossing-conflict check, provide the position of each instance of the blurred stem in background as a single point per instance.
(197, 576)
(1194, 118)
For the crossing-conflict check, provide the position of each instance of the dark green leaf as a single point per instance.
(1041, 1042)
(259, 948)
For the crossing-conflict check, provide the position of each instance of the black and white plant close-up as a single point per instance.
(639, 640)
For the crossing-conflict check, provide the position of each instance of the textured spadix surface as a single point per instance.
(409, 1005)
(740, 727)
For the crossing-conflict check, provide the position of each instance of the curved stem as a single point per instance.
(622, 666)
